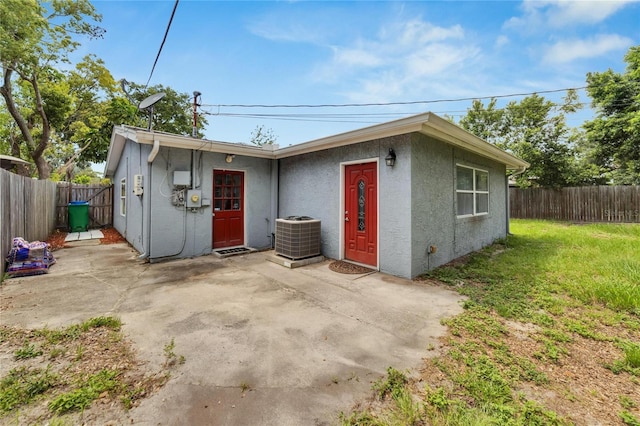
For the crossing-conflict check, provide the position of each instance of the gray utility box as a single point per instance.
(298, 237)
(194, 198)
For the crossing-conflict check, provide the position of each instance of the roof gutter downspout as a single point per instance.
(154, 151)
(520, 170)
(147, 191)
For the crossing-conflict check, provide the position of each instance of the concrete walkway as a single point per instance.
(308, 342)
(92, 234)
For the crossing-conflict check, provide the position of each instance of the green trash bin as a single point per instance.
(78, 216)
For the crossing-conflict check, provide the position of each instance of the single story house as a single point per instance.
(401, 197)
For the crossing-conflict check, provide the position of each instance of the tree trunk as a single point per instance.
(21, 169)
(35, 151)
(44, 170)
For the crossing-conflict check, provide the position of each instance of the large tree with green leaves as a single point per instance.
(613, 137)
(533, 129)
(36, 37)
(172, 114)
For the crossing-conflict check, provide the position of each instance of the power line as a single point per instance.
(349, 117)
(367, 117)
(173, 12)
(389, 103)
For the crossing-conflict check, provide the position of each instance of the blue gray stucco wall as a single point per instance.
(416, 205)
(310, 185)
(132, 161)
(473, 233)
(432, 203)
(177, 231)
(434, 219)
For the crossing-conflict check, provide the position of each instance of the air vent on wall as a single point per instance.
(298, 237)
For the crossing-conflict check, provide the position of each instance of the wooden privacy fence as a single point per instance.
(581, 204)
(99, 197)
(27, 210)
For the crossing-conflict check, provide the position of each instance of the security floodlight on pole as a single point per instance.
(196, 94)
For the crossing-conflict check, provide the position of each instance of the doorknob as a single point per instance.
(346, 219)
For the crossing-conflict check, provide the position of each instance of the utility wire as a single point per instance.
(173, 12)
(353, 117)
(390, 103)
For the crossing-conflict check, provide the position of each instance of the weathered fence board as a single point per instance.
(581, 204)
(100, 198)
(27, 210)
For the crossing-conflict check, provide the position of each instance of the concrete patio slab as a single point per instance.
(307, 342)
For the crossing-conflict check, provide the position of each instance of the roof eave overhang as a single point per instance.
(388, 129)
(122, 133)
(445, 131)
(185, 142)
(428, 124)
(119, 136)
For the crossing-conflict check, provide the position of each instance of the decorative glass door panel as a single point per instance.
(228, 208)
(360, 215)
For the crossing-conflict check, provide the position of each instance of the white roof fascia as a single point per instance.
(426, 123)
(186, 142)
(455, 135)
(378, 131)
(119, 136)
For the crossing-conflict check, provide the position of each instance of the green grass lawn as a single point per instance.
(550, 335)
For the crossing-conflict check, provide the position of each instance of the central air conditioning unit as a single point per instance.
(298, 237)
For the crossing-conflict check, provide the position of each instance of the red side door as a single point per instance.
(228, 208)
(361, 213)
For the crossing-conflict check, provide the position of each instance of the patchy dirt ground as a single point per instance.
(62, 359)
(579, 387)
(53, 364)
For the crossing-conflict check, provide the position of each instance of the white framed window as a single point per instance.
(472, 191)
(123, 197)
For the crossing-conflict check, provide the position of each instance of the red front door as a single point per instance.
(228, 208)
(361, 213)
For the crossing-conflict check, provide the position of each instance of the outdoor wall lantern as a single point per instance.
(390, 159)
(229, 158)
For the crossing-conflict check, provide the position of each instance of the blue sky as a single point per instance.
(331, 52)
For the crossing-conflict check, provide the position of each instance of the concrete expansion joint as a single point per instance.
(365, 275)
(265, 388)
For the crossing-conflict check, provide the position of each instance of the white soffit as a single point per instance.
(427, 123)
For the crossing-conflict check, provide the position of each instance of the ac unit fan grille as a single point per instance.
(298, 239)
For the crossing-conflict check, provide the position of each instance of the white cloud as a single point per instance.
(563, 13)
(502, 40)
(587, 12)
(569, 50)
(356, 57)
(402, 58)
(295, 32)
(433, 60)
(417, 31)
